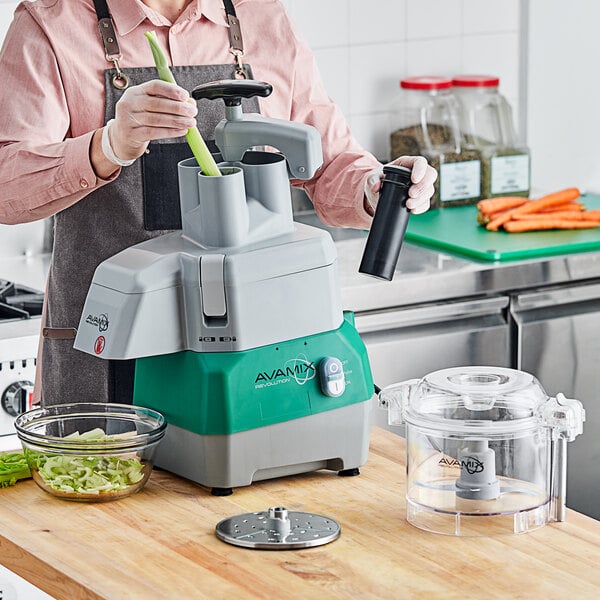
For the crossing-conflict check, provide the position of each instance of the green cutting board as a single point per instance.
(455, 229)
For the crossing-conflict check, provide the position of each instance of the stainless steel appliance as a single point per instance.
(20, 310)
(557, 337)
(236, 322)
(409, 342)
(24, 261)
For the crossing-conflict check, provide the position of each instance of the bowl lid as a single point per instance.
(489, 400)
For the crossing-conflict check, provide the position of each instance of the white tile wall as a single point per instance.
(430, 19)
(563, 94)
(385, 21)
(364, 47)
(500, 49)
(7, 8)
(490, 17)
(378, 42)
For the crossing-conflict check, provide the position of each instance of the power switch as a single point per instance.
(331, 374)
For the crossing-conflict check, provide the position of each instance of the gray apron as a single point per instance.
(142, 203)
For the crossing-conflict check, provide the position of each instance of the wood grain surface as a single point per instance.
(160, 543)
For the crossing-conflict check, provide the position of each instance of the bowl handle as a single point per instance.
(564, 417)
(394, 399)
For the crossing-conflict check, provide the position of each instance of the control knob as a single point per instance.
(332, 377)
(16, 397)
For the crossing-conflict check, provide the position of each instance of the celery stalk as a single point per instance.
(13, 466)
(201, 152)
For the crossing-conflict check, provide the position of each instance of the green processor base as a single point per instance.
(238, 417)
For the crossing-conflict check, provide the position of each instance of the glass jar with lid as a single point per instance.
(486, 124)
(425, 121)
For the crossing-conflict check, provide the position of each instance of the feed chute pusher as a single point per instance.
(236, 321)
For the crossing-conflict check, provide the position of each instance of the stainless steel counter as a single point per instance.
(426, 275)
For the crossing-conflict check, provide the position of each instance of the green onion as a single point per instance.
(201, 152)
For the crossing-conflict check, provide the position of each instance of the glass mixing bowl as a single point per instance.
(90, 452)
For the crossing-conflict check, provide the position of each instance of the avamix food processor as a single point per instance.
(486, 449)
(236, 322)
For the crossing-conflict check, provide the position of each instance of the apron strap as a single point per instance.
(236, 43)
(113, 53)
(111, 46)
(102, 11)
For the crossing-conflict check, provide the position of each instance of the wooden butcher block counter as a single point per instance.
(160, 543)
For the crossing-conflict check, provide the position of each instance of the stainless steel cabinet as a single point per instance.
(409, 342)
(557, 339)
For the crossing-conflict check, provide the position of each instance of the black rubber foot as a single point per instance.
(221, 491)
(349, 472)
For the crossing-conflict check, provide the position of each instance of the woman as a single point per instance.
(87, 135)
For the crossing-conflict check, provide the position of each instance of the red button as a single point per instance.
(99, 344)
(84, 183)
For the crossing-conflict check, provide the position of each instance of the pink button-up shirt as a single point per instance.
(52, 96)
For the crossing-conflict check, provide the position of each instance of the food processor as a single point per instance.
(236, 321)
(486, 449)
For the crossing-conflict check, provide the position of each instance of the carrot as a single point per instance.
(500, 220)
(549, 200)
(490, 206)
(533, 206)
(568, 215)
(484, 219)
(572, 206)
(539, 224)
(591, 215)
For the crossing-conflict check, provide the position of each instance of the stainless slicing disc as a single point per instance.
(278, 529)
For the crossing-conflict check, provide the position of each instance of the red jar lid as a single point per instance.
(476, 81)
(426, 83)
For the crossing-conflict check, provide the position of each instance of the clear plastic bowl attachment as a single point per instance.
(485, 449)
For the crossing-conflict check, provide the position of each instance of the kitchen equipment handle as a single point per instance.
(238, 132)
(232, 90)
(544, 298)
(564, 417)
(394, 398)
(558, 480)
(394, 319)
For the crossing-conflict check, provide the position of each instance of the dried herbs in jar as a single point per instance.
(486, 124)
(425, 122)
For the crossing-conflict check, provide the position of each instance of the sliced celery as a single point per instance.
(89, 474)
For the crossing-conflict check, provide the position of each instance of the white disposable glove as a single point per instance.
(150, 111)
(423, 177)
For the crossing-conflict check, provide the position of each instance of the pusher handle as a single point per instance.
(232, 90)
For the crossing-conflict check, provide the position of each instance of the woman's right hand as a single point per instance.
(150, 111)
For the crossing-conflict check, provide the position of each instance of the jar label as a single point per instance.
(510, 174)
(460, 180)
